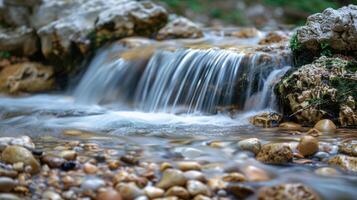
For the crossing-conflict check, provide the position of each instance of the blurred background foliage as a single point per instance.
(250, 12)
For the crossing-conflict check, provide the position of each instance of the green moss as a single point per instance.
(351, 66)
(5, 54)
(345, 87)
(326, 49)
(295, 45)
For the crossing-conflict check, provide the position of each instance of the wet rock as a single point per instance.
(311, 93)
(321, 155)
(345, 162)
(129, 191)
(234, 177)
(266, 119)
(68, 155)
(28, 77)
(194, 175)
(251, 144)
(92, 183)
(53, 161)
(308, 145)
(325, 125)
(8, 173)
(245, 33)
(255, 174)
(51, 195)
(89, 168)
(24, 141)
(21, 41)
(337, 28)
(180, 27)
(7, 184)
(186, 166)
(178, 191)
(201, 197)
(15, 154)
(69, 165)
(327, 171)
(348, 148)
(153, 192)
(67, 25)
(275, 153)
(196, 188)
(287, 191)
(191, 153)
(274, 37)
(171, 177)
(8, 196)
(109, 194)
(290, 126)
(240, 191)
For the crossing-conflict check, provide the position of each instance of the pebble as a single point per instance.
(255, 174)
(177, 191)
(19, 166)
(234, 177)
(325, 125)
(109, 194)
(201, 197)
(240, 191)
(308, 145)
(7, 184)
(70, 165)
(195, 175)
(50, 195)
(191, 153)
(8, 173)
(348, 148)
(129, 191)
(92, 183)
(275, 153)
(14, 154)
(171, 177)
(68, 155)
(196, 187)
(321, 155)
(53, 161)
(251, 144)
(153, 192)
(8, 196)
(90, 169)
(186, 166)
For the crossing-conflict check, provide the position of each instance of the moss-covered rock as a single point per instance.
(327, 88)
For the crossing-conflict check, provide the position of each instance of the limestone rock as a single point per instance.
(337, 28)
(319, 90)
(345, 162)
(275, 153)
(26, 77)
(266, 119)
(14, 154)
(348, 148)
(294, 191)
(20, 41)
(180, 27)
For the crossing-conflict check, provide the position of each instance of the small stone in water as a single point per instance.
(325, 125)
(275, 153)
(6, 184)
(68, 165)
(8, 196)
(153, 192)
(251, 144)
(14, 154)
(178, 191)
(90, 169)
(129, 191)
(186, 166)
(92, 183)
(68, 155)
(255, 174)
(109, 194)
(196, 187)
(171, 177)
(308, 145)
(327, 171)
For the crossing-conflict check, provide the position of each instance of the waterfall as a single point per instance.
(185, 80)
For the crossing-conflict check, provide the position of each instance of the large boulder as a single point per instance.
(180, 27)
(291, 191)
(26, 77)
(335, 28)
(20, 41)
(324, 89)
(76, 25)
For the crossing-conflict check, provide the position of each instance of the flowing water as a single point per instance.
(172, 100)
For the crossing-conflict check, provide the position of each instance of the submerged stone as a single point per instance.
(251, 144)
(275, 153)
(345, 162)
(308, 145)
(325, 125)
(293, 191)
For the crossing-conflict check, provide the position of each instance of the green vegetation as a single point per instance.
(5, 54)
(294, 43)
(326, 49)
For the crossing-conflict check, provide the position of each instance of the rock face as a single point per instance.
(336, 28)
(20, 41)
(26, 77)
(64, 26)
(324, 89)
(275, 153)
(287, 191)
(180, 28)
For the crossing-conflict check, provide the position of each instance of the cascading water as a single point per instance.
(184, 80)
